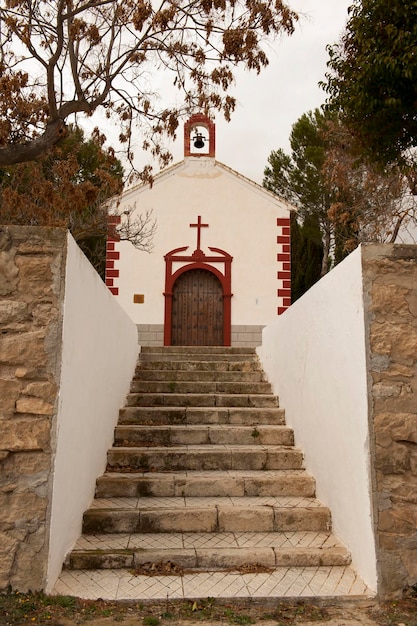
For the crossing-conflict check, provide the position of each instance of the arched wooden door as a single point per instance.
(197, 309)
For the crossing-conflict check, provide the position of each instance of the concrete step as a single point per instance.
(209, 387)
(234, 483)
(190, 415)
(212, 375)
(202, 400)
(202, 434)
(211, 457)
(206, 515)
(214, 551)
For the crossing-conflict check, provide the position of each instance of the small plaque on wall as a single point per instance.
(138, 298)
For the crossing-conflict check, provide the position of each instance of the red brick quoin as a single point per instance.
(112, 255)
(284, 264)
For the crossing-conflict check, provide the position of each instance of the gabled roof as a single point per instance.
(177, 167)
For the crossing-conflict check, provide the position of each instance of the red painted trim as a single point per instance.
(199, 260)
(112, 255)
(281, 239)
(199, 119)
(284, 260)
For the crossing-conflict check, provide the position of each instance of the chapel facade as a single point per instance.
(220, 265)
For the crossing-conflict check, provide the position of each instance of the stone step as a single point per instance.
(226, 351)
(211, 457)
(206, 515)
(202, 400)
(209, 387)
(138, 435)
(214, 551)
(198, 375)
(296, 483)
(190, 365)
(198, 353)
(189, 415)
(183, 356)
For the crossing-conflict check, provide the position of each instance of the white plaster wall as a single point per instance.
(315, 356)
(99, 353)
(242, 221)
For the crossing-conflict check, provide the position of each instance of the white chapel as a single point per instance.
(219, 269)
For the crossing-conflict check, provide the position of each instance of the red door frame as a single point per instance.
(198, 260)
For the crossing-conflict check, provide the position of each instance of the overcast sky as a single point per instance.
(269, 104)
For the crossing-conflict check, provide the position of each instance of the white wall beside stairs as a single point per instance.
(99, 354)
(315, 357)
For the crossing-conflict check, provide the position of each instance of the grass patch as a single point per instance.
(150, 620)
(18, 609)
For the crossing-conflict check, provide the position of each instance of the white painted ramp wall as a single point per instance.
(99, 355)
(315, 357)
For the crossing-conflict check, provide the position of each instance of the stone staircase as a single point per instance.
(203, 476)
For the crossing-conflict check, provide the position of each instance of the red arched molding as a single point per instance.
(199, 119)
(198, 260)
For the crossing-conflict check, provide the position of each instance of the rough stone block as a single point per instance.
(8, 548)
(44, 390)
(27, 349)
(25, 434)
(35, 276)
(24, 510)
(13, 312)
(31, 561)
(9, 393)
(36, 406)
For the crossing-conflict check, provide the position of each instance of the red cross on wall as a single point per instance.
(199, 226)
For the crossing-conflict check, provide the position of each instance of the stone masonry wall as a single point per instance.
(390, 290)
(32, 270)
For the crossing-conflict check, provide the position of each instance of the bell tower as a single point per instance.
(199, 136)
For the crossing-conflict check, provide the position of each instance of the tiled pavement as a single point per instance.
(206, 540)
(283, 582)
(180, 501)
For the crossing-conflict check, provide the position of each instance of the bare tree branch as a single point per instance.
(76, 57)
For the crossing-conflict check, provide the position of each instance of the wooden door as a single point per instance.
(197, 310)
